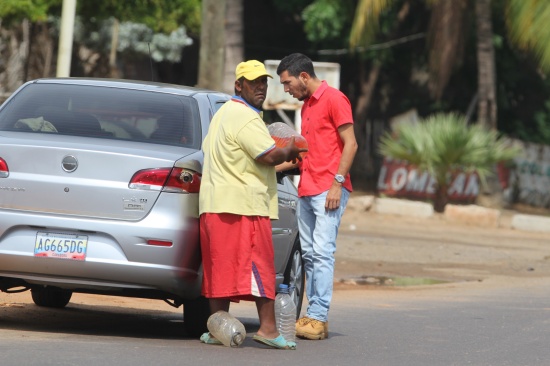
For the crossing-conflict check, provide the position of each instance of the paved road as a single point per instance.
(495, 310)
(461, 324)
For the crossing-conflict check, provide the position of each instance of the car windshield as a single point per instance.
(102, 112)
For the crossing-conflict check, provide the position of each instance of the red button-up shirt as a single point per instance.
(322, 113)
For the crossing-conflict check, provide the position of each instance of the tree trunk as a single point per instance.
(234, 43)
(367, 89)
(487, 107)
(441, 198)
(15, 54)
(446, 43)
(211, 55)
(364, 166)
(40, 52)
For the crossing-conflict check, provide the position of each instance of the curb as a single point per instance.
(531, 223)
(465, 214)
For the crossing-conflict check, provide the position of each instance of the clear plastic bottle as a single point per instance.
(281, 133)
(285, 313)
(226, 328)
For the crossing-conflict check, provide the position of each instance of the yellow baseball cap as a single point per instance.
(251, 70)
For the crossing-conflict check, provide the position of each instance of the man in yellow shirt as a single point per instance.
(238, 197)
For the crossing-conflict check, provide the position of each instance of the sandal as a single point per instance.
(280, 342)
(209, 339)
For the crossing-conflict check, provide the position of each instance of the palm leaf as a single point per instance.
(443, 143)
(365, 22)
(527, 22)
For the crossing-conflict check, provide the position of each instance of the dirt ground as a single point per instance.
(383, 253)
(372, 247)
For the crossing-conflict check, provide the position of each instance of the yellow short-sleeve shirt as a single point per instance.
(232, 180)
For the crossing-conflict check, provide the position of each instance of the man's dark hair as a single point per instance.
(296, 63)
(240, 80)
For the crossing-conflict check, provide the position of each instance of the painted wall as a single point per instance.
(529, 177)
(399, 179)
(526, 180)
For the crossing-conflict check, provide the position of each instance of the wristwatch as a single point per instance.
(340, 178)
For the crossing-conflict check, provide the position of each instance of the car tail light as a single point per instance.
(183, 180)
(4, 171)
(176, 180)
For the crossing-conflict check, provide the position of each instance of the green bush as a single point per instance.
(443, 143)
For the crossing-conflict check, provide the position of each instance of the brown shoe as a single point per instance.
(311, 328)
(302, 321)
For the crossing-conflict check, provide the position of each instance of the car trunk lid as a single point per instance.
(79, 176)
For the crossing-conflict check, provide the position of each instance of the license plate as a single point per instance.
(64, 246)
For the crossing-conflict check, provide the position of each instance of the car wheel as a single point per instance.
(51, 297)
(195, 315)
(295, 276)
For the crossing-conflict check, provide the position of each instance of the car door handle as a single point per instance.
(279, 231)
(287, 203)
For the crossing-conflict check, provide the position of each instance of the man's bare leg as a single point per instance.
(266, 313)
(218, 304)
(215, 305)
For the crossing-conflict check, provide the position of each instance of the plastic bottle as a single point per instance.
(226, 328)
(285, 313)
(281, 133)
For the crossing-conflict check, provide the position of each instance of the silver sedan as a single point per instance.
(99, 183)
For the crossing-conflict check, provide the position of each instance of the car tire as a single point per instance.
(195, 315)
(295, 276)
(51, 297)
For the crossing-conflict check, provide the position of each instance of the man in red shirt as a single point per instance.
(324, 188)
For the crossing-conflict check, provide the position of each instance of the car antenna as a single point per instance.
(151, 60)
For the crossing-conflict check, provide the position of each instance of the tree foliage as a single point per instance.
(366, 21)
(327, 20)
(527, 22)
(159, 15)
(13, 11)
(276, 28)
(156, 27)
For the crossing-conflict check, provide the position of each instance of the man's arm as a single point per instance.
(278, 155)
(287, 165)
(347, 135)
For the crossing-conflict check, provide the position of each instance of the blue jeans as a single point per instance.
(318, 230)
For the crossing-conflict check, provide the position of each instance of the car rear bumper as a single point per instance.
(118, 258)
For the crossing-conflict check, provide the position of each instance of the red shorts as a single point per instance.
(237, 256)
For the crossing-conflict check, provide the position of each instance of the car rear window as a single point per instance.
(104, 112)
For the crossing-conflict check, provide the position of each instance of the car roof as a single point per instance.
(127, 84)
